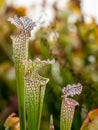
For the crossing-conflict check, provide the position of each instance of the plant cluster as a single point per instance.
(31, 86)
(74, 45)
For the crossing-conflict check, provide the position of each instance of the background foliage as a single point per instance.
(74, 45)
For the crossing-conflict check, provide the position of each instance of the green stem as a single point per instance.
(21, 101)
(41, 98)
(31, 119)
(32, 104)
(67, 113)
(20, 54)
(35, 90)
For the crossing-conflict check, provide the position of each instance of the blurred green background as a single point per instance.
(74, 45)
